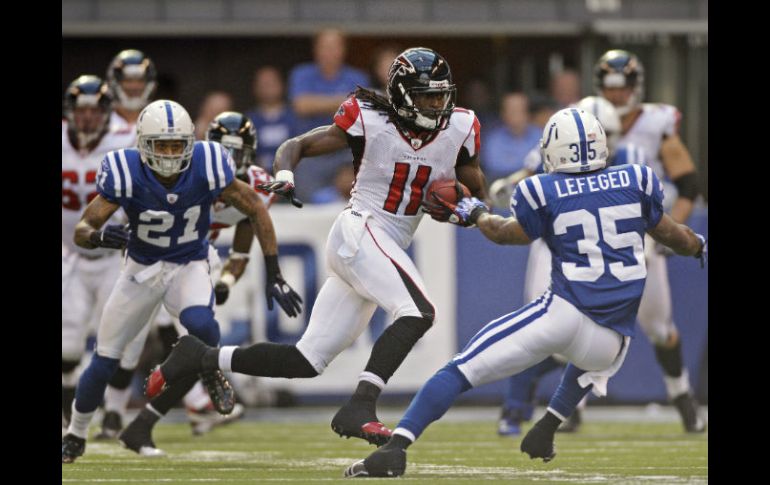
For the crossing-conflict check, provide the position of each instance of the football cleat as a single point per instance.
(204, 420)
(112, 423)
(688, 409)
(184, 359)
(71, 448)
(383, 462)
(137, 437)
(355, 420)
(220, 391)
(538, 443)
(155, 383)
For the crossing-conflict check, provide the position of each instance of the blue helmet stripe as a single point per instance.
(169, 115)
(582, 133)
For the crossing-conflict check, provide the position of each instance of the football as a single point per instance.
(449, 190)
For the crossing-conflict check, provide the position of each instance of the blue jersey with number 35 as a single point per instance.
(166, 224)
(594, 224)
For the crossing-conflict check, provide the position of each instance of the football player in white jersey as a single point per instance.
(652, 127)
(133, 80)
(87, 274)
(587, 314)
(400, 145)
(518, 405)
(237, 134)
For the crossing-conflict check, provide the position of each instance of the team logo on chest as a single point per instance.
(416, 143)
(171, 198)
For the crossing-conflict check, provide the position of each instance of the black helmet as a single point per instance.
(132, 64)
(87, 90)
(415, 71)
(620, 69)
(235, 132)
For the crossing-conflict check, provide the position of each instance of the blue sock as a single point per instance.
(93, 383)
(200, 322)
(434, 399)
(520, 391)
(569, 393)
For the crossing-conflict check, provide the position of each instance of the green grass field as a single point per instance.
(449, 452)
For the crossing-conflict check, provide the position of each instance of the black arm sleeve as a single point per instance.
(687, 185)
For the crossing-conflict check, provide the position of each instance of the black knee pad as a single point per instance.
(121, 379)
(408, 330)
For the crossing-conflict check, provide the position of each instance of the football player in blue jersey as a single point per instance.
(166, 186)
(598, 276)
(519, 403)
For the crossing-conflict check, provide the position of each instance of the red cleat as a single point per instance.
(375, 432)
(155, 383)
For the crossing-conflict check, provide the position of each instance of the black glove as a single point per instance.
(285, 189)
(277, 288)
(221, 292)
(114, 236)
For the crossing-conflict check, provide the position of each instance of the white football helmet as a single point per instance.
(607, 115)
(165, 120)
(573, 141)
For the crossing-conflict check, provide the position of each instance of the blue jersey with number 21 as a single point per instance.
(166, 224)
(594, 224)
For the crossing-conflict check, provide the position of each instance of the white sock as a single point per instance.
(676, 386)
(405, 433)
(117, 400)
(373, 379)
(226, 358)
(79, 422)
(197, 397)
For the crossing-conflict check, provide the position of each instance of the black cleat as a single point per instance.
(384, 462)
(112, 423)
(220, 391)
(538, 443)
(358, 420)
(184, 360)
(137, 437)
(71, 448)
(572, 424)
(688, 409)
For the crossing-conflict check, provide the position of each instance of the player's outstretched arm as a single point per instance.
(502, 230)
(87, 233)
(246, 200)
(678, 237)
(318, 141)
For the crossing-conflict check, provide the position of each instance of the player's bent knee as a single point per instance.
(200, 322)
(299, 365)
(102, 367)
